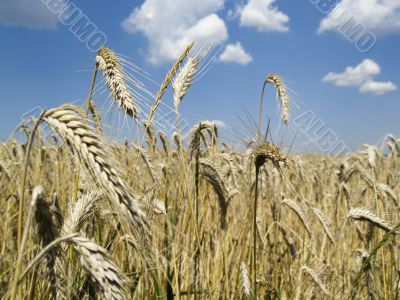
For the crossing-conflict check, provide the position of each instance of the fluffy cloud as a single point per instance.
(378, 88)
(354, 76)
(262, 15)
(362, 77)
(235, 53)
(170, 25)
(378, 16)
(30, 13)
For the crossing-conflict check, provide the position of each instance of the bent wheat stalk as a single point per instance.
(90, 148)
(277, 82)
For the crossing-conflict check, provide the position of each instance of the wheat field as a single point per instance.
(85, 216)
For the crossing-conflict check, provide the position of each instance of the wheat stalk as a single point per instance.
(96, 115)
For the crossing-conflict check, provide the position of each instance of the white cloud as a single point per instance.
(235, 53)
(264, 16)
(362, 77)
(354, 76)
(378, 16)
(170, 25)
(30, 13)
(378, 88)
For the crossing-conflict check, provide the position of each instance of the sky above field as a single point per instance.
(341, 63)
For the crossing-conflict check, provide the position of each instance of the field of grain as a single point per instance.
(163, 217)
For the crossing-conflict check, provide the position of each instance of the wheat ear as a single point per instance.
(90, 148)
(389, 192)
(195, 134)
(147, 160)
(170, 75)
(300, 213)
(324, 222)
(102, 270)
(165, 143)
(277, 82)
(48, 226)
(80, 212)
(314, 276)
(363, 214)
(214, 176)
(178, 140)
(107, 61)
(183, 80)
(246, 285)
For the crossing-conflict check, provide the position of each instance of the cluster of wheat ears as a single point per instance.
(84, 217)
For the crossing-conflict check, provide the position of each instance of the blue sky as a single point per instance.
(354, 93)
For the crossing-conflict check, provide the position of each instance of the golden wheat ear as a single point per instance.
(283, 95)
(170, 75)
(363, 214)
(184, 79)
(268, 151)
(91, 147)
(108, 62)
